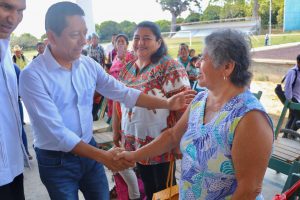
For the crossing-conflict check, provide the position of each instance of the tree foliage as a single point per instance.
(106, 29)
(25, 41)
(176, 7)
(193, 17)
(212, 12)
(164, 25)
(127, 28)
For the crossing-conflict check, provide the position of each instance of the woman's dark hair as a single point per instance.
(231, 45)
(193, 59)
(56, 16)
(123, 36)
(162, 50)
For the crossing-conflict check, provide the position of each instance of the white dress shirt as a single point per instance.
(11, 153)
(59, 101)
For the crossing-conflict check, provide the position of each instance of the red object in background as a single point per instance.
(287, 194)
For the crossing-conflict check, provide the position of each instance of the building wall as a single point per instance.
(86, 5)
(291, 15)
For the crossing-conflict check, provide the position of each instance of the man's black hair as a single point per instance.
(56, 16)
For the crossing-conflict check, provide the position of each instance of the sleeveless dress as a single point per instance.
(207, 170)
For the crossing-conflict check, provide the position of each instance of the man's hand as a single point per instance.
(126, 155)
(118, 165)
(181, 100)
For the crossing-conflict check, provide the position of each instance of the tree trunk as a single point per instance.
(173, 23)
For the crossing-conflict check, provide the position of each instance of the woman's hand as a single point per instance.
(181, 100)
(126, 155)
(117, 139)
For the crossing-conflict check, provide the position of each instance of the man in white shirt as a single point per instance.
(57, 89)
(11, 148)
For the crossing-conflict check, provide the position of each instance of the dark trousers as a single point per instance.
(13, 190)
(154, 177)
(294, 116)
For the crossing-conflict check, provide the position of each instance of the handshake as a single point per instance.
(117, 159)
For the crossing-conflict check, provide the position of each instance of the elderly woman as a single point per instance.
(157, 74)
(225, 136)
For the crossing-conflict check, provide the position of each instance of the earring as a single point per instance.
(225, 78)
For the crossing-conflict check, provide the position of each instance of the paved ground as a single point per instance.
(279, 52)
(35, 190)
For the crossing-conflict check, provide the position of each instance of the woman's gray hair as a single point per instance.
(231, 45)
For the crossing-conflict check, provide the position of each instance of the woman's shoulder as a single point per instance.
(246, 102)
(168, 63)
(126, 69)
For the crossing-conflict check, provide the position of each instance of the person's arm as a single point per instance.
(166, 141)
(117, 91)
(176, 102)
(116, 122)
(44, 114)
(251, 151)
(288, 89)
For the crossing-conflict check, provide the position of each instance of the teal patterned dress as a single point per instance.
(207, 170)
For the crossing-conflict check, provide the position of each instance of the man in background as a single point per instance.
(292, 92)
(40, 47)
(96, 51)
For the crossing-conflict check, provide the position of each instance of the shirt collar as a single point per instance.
(52, 64)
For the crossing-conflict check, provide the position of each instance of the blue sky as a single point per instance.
(103, 10)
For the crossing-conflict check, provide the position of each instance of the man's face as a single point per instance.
(95, 41)
(18, 53)
(11, 14)
(69, 44)
(298, 63)
(40, 48)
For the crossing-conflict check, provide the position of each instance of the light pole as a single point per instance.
(270, 22)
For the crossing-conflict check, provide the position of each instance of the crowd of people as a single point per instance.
(157, 117)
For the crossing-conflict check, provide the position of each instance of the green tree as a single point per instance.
(127, 28)
(233, 9)
(212, 12)
(44, 36)
(106, 29)
(26, 41)
(176, 7)
(164, 25)
(277, 12)
(193, 17)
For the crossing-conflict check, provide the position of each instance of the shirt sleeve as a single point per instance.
(176, 78)
(43, 113)
(288, 91)
(113, 89)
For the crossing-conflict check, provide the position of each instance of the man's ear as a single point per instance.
(51, 37)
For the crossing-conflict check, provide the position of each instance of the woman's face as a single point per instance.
(145, 43)
(121, 45)
(209, 75)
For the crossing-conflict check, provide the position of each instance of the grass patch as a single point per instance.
(197, 43)
(29, 54)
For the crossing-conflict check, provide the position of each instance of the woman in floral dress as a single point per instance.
(154, 73)
(225, 135)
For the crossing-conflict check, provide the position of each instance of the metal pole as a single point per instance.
(270, 22)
